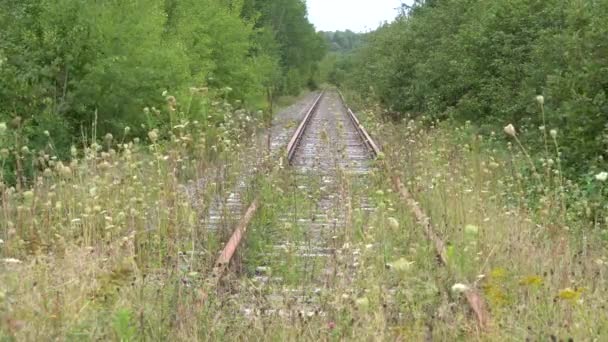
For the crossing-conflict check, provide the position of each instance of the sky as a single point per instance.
(355, 15)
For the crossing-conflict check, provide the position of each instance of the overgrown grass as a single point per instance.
(112, 244)
(516, 228)
(113, 249)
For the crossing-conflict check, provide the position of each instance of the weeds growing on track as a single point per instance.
(110, 245)
(93, 249)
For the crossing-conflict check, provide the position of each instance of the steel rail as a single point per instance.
(367, 139)
(225, 257)
(473, 297)
(292, 147)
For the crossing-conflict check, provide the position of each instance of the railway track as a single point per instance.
(306, 251)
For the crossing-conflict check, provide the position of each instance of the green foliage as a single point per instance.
(343, 41)
(123, 325)
(68, 65)
(485, 61)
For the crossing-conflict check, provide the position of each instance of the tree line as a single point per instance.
(492, 63)
(68, 64)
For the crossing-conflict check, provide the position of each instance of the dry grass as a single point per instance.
(113, 249)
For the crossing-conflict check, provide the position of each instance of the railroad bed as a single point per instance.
(302, 251)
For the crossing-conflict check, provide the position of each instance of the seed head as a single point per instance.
(602, 176)
(393, 223)
(153, 135)
(459, 288)
(108, 138)
(510, 130)
(553, 133)
(540, 99)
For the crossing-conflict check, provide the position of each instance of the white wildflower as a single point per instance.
(401, 265)
(602, 176)
(2, 128)
(11, 261)
(153, 135)
(460, 288)
(540, 99)
(553, 133)
(510, 130)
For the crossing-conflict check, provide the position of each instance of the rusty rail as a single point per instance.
(360, 129)
(473, 297)
(227, 253)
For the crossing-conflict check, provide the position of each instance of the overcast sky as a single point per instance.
(355, 15)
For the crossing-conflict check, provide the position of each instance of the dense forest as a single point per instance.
(69, 65)
(539, 65)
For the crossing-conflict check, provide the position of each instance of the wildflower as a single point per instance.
(400, 265)
(393, 223)
(1, 241)
(73, 151)
(470, 229)
(47, 133)
(2, 128)
(362, 303)
(331, 325)
(570, 294)
(172, 102)
(459, 288)
(11, 261)
(540, 99)
(510, 130)
(28, 195)
(164, 93)
(65, 171)
(25, 150)
(153, 135)
(146, 110)
(553, 133)
(602, 176)
(108, 138)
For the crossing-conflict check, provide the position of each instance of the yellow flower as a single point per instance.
(570, 294)
(531, 281)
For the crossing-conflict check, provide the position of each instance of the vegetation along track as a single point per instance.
(307, 250)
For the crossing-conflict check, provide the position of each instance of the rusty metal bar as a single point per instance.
(360, 129)
(473, 297)
(221, 265)
(225, 257)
